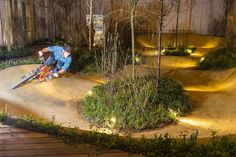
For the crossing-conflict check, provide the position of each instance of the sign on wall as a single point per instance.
(98, 25)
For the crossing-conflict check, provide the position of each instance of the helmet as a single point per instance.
(67, 48)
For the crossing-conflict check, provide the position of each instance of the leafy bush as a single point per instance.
(158, 146)
(220, 59)
(91, 62)
(171, 51)
(135, 104)
(46, 41)
(17, 53)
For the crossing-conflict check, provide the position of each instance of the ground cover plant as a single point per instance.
(219, 59)
(135, 104)
(180, 51)
(158, 146)
(15, 53)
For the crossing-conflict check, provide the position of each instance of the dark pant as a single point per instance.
(57, 64)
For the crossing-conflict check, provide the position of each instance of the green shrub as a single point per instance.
(86, 61)
(91, 62)
(20, 61)
(17, 53)
(46, 41)
(220, 59)
(172, 51)
(158, 146)
(135, 104)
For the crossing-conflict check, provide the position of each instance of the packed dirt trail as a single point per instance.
(213, 93)
(57, 98)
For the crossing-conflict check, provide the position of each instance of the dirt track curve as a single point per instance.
(214, 94)
(57, 98)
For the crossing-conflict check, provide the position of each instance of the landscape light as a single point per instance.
(163, 50)
(90, 93)
(113, 120)
(173, 112)
(137, 59)
(202, 59)
(189, 51)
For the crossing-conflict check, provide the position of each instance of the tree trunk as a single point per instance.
(190, 15)
(159, 44)
(132, 40)
(133, 4)
(177, 22)
(8, 25)
(90, 25)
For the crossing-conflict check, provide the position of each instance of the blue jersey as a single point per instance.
(58, 54)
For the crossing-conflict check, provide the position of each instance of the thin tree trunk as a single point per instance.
(159, 44)
(177, 23)
(90, 25)
(80, 21)
(132, 40)
(53, 22)
(1, 26)
(8, 24)
(190, 15)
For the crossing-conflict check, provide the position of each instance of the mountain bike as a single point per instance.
(41, 72)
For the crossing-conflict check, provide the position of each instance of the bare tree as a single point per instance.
(160, 41)
(133, 4)
(8, 24)
(178, 2)
(191, 4)
(90, 5)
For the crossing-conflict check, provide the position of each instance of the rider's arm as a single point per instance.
(44, 50)
(61, 71)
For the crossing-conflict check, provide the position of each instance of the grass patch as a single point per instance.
(220, 59)
(135, 104)
(158, 146)
(19, 61)
(15, 53)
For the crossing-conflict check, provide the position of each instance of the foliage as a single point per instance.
(171, 51)
(46, 41)
(91, 62)
(220, 59)
(15, 53)
(158, 146)
(135, 104)
(20, 61)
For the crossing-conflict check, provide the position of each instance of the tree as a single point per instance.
(177, 21)
(160, 41)
(133, 4)
(191, 4)
(90, 5)
(8, 24)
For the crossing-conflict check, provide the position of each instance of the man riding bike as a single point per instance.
(60, 58)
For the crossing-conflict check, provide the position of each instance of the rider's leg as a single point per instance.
(50, 60)
(57, 67)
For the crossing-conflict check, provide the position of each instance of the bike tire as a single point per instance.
(24, 80)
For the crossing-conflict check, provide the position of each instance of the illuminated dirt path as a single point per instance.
(213, 92)
(214, 108)
(57, 98)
